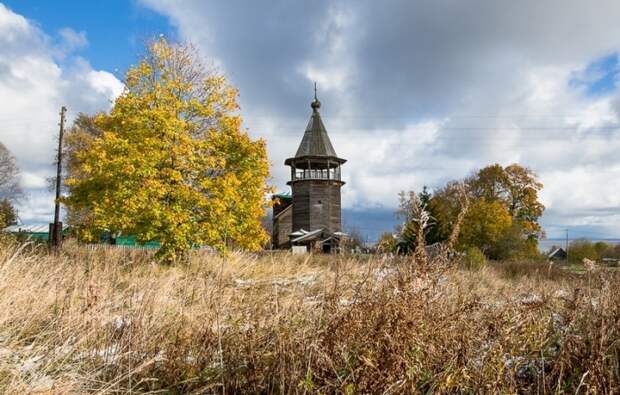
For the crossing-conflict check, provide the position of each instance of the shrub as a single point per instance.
(519, 270)
(604, 250)
(580, 249)
(513, 245)
(474, 259)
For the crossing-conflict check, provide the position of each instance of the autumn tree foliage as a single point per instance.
(486, 222)
(170, 162)
(79, 138)
(387, 242)
(516, 188)
(501, 221)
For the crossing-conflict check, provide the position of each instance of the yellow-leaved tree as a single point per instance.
(484, 225)
(171, 162)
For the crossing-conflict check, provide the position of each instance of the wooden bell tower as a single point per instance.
(316, 179)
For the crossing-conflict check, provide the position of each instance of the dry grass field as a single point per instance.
(113, 321)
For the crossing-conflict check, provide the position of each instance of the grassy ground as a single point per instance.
(581, 269)
(115, 322)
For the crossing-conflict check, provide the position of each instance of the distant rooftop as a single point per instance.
(31, 228)
(282, 195)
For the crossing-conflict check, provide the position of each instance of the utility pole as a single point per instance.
(56, 227)
(566, 245)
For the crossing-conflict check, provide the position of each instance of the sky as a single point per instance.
(413, 92)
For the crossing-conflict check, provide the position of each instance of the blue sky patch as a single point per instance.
(116, 30)
(599, 77)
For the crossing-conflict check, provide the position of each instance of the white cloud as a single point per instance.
(494, 79)
(413, 93)
(30, 181)
(36, 79)
(72, 40)
(105, 83)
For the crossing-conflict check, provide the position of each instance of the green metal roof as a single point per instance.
(282, 195)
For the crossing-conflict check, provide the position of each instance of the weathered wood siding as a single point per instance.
(282, 224)
(316, 204)
(280, 204)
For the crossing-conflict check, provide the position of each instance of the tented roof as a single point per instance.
(315, 141)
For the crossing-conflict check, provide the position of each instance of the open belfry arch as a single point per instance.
(311, 216)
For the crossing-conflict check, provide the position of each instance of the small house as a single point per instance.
(610, 261)
(318, 240)
(557, 254)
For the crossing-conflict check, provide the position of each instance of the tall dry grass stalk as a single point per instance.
(110, 321)
(421, 217)
(456, 229)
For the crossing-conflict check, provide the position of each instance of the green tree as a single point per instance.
(425, 196)
(580, 249)
(615, 252)
(410, 211)
(513, 245)
(603, 250)
(171, 162)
